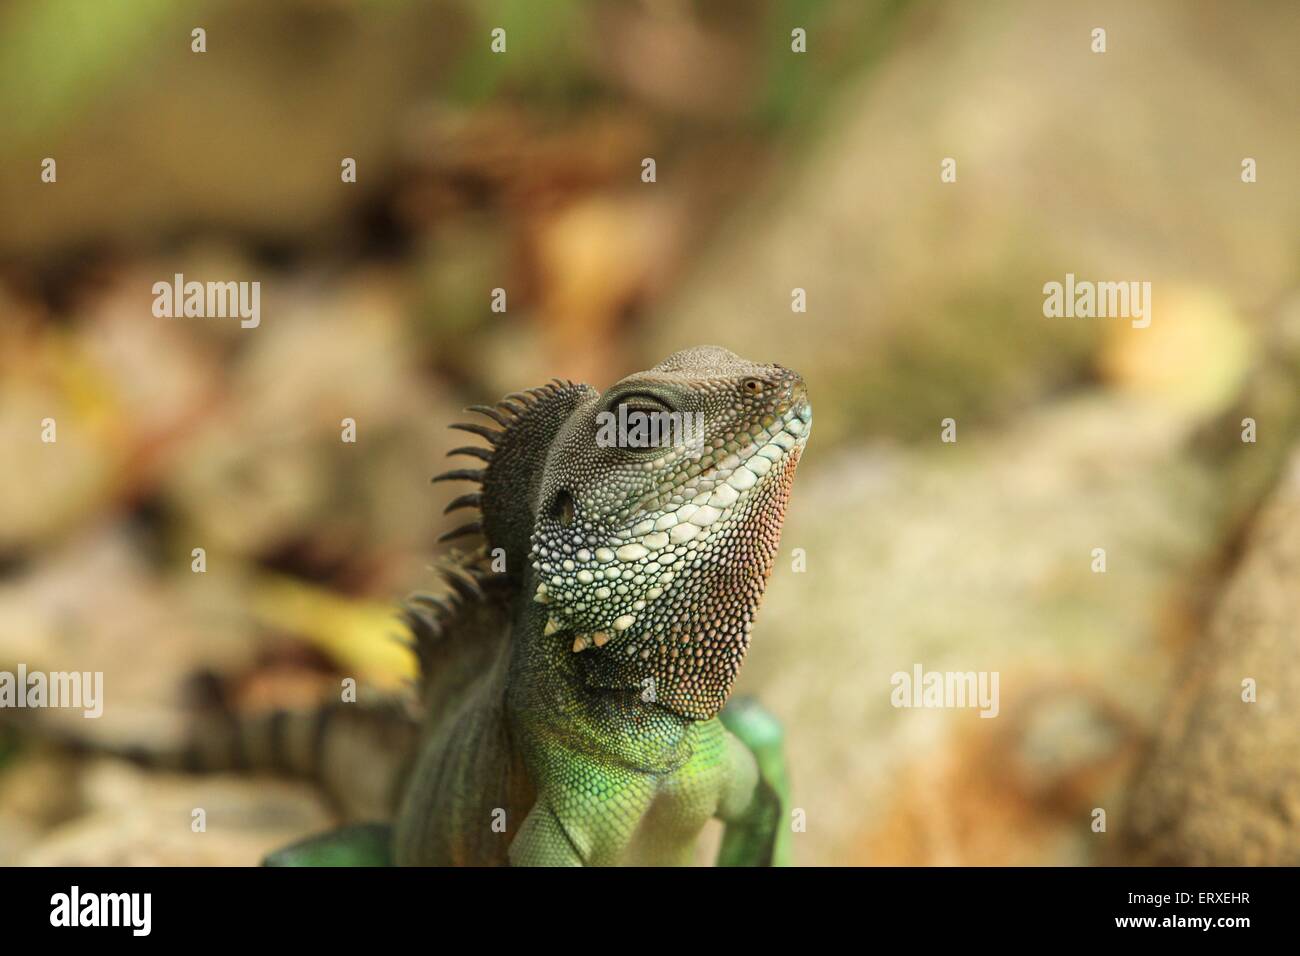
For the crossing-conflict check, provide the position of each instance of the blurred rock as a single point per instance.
(1015, 791)
(35, 795)
(1222, 784)
(145, 819)
(95, 605)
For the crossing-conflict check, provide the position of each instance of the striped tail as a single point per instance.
(358, 753)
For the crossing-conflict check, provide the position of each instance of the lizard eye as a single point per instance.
(754, 386)
(640, 402)
(562, 508)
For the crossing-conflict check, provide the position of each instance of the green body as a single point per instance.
(538, 769)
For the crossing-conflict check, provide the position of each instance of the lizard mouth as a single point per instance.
(770, 441)
(727, 476)
(775, 438)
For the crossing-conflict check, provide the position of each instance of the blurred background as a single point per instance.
(775, 170)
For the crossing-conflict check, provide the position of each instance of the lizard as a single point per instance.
(574, 678)
(594, 724)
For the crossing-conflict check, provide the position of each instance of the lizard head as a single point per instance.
(658, 515)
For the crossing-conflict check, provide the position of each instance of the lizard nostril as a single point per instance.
(562, 508)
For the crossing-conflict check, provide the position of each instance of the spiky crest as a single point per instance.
(474, 586)
(528, 423)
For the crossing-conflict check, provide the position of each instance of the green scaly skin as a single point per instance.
(574, 681)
